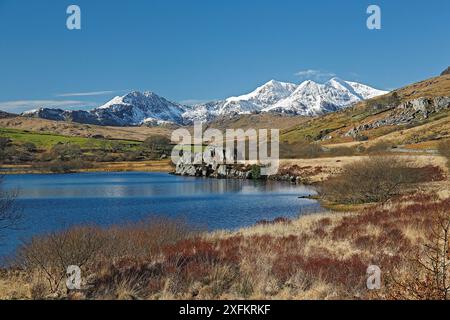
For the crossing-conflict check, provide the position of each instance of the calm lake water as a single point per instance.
(52, 202)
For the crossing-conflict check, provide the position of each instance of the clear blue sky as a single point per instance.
(196, 50)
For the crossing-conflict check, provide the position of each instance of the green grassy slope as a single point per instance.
(48, 140)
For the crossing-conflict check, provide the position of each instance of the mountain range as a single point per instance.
(137, 108)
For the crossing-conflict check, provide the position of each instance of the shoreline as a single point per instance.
(310, 172)
(138, 166)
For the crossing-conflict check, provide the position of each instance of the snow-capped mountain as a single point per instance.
(255, 101)
(309, 99)
(132, 109)
(136, 108)
(312, 98)
(263, 97)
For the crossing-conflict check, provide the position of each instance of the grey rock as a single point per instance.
(406, 113)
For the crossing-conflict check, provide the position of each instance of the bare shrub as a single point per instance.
(146, 237)
(429, 274)
(375, 179)
(91, 248)
(10, 213)
(38, 291)
(51, 254)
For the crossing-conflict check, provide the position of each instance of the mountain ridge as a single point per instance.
(147, 108)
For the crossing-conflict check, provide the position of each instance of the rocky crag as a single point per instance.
(406, 113)
(213, 162)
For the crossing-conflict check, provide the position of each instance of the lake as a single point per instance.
(52, 202)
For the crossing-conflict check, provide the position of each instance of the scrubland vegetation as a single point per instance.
(376, 179)
(319, 256)
(306, 150)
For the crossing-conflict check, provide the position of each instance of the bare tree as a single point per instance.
(428, 276)
(437, 260)
(10, 214)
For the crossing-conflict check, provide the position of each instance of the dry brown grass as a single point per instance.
(321, 169)
(319, 256)
(128, 166)
(141, 166)
(83, 130)
(257, 121)
(376, 179)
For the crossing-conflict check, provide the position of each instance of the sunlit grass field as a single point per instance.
(48, 140)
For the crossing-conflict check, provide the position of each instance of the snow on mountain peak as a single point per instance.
(308, 98)
(135, 108)
(365, 91)
(268, 92)
(262, 97)
(312, 98)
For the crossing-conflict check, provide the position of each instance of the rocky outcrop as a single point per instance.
(213, 163)
(221, 172)
(406, 113)
(446, 71)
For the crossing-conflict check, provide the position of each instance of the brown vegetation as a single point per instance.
(428, 276)
(319, 256)
(45, 258)
(375, 179)
(82, 130)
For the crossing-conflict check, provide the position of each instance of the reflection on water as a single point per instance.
(51, 202)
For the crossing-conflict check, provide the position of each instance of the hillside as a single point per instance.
(29, 145)
(66, 128)
(414, 114)
(257, 121)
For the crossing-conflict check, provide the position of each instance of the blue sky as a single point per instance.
(200, 50)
